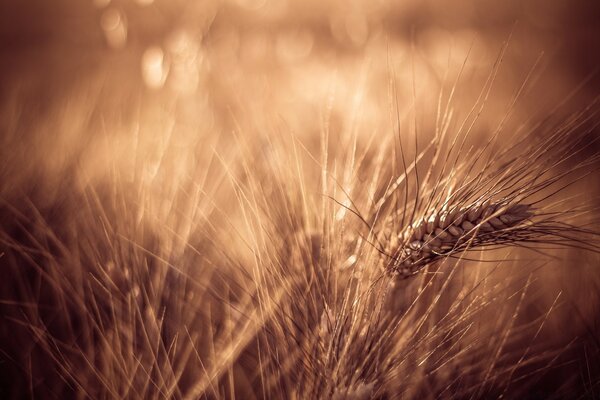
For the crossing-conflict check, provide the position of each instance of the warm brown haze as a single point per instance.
(311, 199)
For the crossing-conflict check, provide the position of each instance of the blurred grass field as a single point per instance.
(162, 165)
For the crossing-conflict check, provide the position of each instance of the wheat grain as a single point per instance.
(443, 234)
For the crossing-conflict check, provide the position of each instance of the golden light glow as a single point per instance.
(114, 27)
(154, 67)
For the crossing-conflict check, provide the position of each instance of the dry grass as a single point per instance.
(426, 250)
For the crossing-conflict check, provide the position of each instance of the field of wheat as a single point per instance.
(277, 199)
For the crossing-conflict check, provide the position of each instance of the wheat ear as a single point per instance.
(450, 232)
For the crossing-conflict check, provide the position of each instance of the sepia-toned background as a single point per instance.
(96, 65)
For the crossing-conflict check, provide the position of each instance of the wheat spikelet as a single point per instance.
(446, 233)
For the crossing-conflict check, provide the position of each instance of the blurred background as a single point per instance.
(69, 67)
